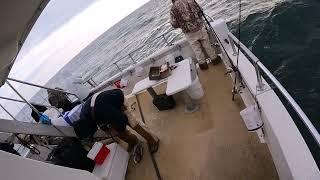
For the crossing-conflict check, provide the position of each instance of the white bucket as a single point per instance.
(195, 91)
(124, 82)
(251, 117)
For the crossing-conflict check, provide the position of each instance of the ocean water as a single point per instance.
(284, 34)
(287, 41)
(141, 28)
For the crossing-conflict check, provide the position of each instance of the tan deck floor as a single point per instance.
(212, 143)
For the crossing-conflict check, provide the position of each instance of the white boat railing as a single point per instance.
(260, 67)
(15, 127)
(116, 65)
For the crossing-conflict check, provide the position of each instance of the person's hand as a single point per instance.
(44, 119)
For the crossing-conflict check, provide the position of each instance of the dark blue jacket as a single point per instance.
(108, 110)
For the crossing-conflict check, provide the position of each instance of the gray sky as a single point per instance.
(53, 19)
(64, 28)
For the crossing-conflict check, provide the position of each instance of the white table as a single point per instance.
(145, 84)
(179, 80)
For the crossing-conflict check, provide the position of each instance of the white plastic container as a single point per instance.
(115, 165)
(252, 119)
(195, 91)
(124, 82)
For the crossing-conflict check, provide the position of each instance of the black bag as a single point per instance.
(70, 153)
(8, 148)
(164, 102)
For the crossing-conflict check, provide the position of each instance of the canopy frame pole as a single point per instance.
(16, 100)
(24, 99)
(8, 112)
(30, 105)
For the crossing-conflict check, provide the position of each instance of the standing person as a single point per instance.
(187, 15)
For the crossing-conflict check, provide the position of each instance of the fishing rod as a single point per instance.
(233, 67)
(234, 90)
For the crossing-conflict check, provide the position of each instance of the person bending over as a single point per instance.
(108, 111)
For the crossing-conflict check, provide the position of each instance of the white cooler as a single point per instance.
(115, 165)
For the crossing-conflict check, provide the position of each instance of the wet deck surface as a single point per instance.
(212, 143)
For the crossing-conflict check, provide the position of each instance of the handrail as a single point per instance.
(129, 55)
(314, 132)
(16, 100)
(44, 87)
(28, 103)
(5, 109)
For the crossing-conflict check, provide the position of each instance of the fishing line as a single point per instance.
(234, 91)
(234, 68)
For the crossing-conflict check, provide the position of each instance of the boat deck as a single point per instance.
(212, 143)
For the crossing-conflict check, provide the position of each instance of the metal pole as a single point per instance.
(91, 83)
(8, 112)
(117, 66)
(43, 87)
(132, 58)
(244, 48)
(165, 39)
(232, 45)
(260, 85)
(48, 106)
(31, 106)
(25, 100)
(16, 100)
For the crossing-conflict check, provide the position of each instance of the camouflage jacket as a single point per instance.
(187, 15)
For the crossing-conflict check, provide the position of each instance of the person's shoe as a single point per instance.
(137, 153)
(217, 60)
(203, 66)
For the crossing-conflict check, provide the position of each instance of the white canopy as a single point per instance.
(17, 18)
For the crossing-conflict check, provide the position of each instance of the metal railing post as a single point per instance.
(260, 85)
(8, 112)
(25, 100)
(117, 66)
(135, 62)
(43, 87)
(16, 100)
(232, 45)
(30, 105)
(166, 40)
(91, 82)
